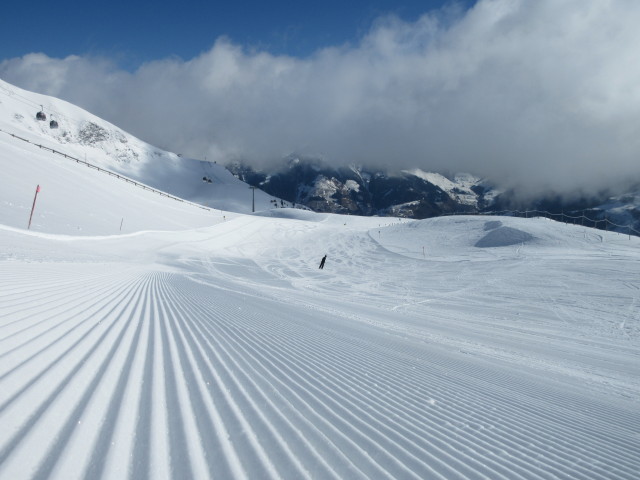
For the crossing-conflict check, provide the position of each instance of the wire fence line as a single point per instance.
(581, 219)
(108, 172)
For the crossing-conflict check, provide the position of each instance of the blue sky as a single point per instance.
(132, 32)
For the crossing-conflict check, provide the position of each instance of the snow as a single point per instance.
(503, 237)
(352, 185)
(206, 343)
(88, 138)
(460, 188)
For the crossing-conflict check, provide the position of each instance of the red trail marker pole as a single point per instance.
(33, 206)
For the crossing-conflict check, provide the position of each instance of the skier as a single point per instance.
(322, 262)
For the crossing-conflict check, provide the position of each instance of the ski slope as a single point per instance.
(197, 344)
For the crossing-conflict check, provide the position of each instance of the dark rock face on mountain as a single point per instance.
(358, 191)
(417, 194)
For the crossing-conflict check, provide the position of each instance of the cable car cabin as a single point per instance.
(41, 116)
(53, 124)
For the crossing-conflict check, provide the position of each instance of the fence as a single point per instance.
(600, 223)
(108, 172)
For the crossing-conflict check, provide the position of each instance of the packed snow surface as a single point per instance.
(196, 344)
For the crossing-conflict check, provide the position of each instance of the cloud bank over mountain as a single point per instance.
(542, 96)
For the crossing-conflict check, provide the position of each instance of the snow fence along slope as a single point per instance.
(225, 353)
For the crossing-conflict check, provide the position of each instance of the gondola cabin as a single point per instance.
(53, 124)
(40, 115)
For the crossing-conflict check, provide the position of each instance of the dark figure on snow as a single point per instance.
(322, 262)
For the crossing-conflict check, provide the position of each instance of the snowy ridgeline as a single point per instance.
(142, 337)
(89, 138)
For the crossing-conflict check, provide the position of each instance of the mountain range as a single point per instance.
(307, 183)
(357, 190)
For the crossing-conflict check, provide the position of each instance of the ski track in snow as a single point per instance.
(238, 365)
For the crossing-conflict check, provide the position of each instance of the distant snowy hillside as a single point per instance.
(87, 137)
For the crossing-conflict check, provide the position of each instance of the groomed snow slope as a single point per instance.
(204, 344)
(223, 352)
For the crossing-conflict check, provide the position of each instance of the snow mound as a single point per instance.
(492, 225)
(503, 237)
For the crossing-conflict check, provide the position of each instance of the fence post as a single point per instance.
(35, 197)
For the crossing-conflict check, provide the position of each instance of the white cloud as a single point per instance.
(539, 94)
